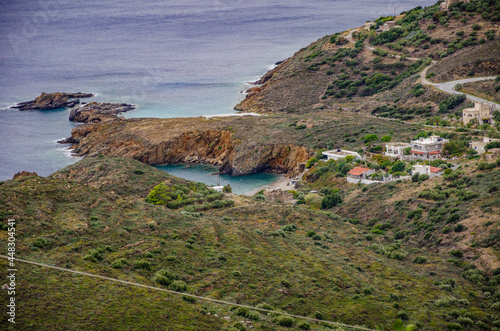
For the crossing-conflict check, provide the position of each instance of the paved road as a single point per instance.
(449, 87)
(184, 294)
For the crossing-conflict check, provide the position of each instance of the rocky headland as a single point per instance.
(235, 145)
(55, 100)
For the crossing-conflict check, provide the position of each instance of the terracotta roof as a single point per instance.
(435, 152)
(357, 171)
(434, 169)
(417, 152)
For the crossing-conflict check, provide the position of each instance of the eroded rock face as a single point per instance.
(93, 111)
(52, 101)
(164, 141)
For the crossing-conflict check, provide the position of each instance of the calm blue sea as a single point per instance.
(170, 58)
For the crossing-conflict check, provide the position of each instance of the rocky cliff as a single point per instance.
(196, 140)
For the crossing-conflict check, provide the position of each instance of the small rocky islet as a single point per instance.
(80, 112)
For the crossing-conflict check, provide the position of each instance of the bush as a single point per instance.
(311, 162)
(282, 320)
(457, 253)
(93, 255)
(331, 201)
(476, 27)
(420, 260)
(164, 277)
(178, 286)
(119, 263)
(41, 243)
(141, 264)
(304, 326)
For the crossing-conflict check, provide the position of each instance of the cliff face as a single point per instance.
(163, 141)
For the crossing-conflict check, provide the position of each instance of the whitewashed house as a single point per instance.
(427, 170)
(427, 148)
(338, 154)
(479, 145)
(396, 149)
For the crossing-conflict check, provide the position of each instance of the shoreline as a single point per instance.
(280, 183)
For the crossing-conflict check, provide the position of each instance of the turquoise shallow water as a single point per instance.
(205, 174)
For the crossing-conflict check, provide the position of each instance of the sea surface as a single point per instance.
(169, 58)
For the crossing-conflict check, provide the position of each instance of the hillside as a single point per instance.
(252, 253)
(363, 69)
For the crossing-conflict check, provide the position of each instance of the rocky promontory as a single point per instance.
(95, 111)
(55, 100)
(238, 146)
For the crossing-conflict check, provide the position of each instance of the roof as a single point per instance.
(358, 171)
(434, 152)
(417, 152)
(435, 169)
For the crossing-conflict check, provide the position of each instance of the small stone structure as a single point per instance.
(278, 195)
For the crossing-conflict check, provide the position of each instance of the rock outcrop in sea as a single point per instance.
(55, 100)
(94, 111)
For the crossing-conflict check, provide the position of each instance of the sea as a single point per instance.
(174, 58)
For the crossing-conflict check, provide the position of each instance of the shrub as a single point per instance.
(331, 201)
(316, 237)
(164, 277)
(457, 253)
(304, 326)
(93, 255)
(282, 320)
(119, 263)
(311, 162)
(311, 234)
(178, 286)
(476, 27)
(41, 243)
(141, 264)
(420, 260)
(403, 315)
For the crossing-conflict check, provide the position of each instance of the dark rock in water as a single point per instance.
(95, 112)
(69, 140)
(52, 101)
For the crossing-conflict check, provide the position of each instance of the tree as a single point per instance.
(423, 134)
(386, 138)
(493, 144)
(371, 137)
(407, 151)
(399, 166)
(311, 162)
(331, 201)
(227, 189)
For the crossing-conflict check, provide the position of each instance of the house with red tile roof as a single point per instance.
(427, 170)
(360, 173)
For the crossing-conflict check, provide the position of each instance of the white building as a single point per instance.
(396, 149)
(427, 170)
(479, 145)
(217, 188)
(338, 154)
(427, 148)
